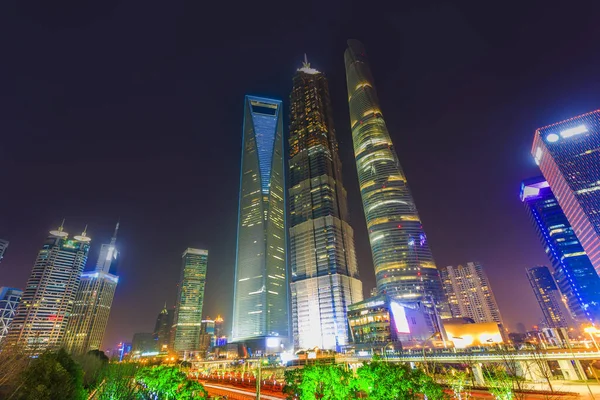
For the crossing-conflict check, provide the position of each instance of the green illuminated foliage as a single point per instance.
(169, 383)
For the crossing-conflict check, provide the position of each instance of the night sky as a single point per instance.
(133, 110)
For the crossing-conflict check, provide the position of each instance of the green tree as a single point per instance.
(92, 363)
(53, 375)
(169, 383)
(117, 382)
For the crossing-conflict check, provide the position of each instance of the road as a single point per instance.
(235, 393)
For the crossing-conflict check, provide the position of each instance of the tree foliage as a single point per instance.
(53, 375)
(377, 380)
(169, 383)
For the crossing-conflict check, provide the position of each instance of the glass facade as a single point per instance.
(93, 301)
(187, 321)
(162, 330)
(469, 293)
(568, 154)
(324, 278)
(9, 300)
(47, 302)
(260, 306)
(548, 296)
(404, 265)
(576, 277)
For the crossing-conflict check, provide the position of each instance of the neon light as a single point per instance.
(553, 137)
(538, 155)
(578, 130)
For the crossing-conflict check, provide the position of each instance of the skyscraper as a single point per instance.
(190, 298)
(9, 300)
(162, 329)
(88, 320)
(547, 295)
(322, 255)
(404, 265)
(260, 305)
(469, 293)
(3, 246)
(568, 154)
(574, 273)
(42, 316)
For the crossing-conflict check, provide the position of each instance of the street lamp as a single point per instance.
(591, 330)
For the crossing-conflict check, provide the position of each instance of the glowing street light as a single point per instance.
(592, 330)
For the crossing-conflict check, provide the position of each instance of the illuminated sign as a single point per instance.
(578, 130)
(273, 342)
(400, 318)
(553, 137)
(538, 155)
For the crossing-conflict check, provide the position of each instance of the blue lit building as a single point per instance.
(568, 153)
(260, 305)
(9, 300)
(574, 273)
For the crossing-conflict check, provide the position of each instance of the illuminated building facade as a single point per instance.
(404, 266)
(568, 154)
(548, 296)
(573, 271)
(379, 321)
(324, 278)
(162, 329)
(143, 342)
(187, 321)
(42, 316)
(3, 246)
(9, 300)
(260, 305)
(91, 309)
(469, 293)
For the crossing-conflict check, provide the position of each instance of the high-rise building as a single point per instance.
(91, 309)
(3, 246)
(260, 305)
(190, 298)
(548, 296)
(404, 266)
(162, 329)
(47, 302)
(573, 271)
(324, 279)
(9, 300)
(469, 293)
(568, 154)
(143, 342)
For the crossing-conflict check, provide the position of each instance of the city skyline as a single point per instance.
(450, 158)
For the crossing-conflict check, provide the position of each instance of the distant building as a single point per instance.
(47, 302)
(219, 326)
(568, 154)
(143, 342)
(89, 318)
(162, 329)
(260, 303)
(190, 299)
(575, 275)
(3, 246)
(9, 300)
(548, 296)
(469, 293)
(381, 321)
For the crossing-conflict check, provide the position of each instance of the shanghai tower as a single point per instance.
(324, 280)
(404, 266)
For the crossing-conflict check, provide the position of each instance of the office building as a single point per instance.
(9, 300)
(162, 329)
(260, 305)
(187, 321)
(143, 343)
(574, 273)
(47, 302)
(404, 266)
(89, 318)
(381, 322)
(3, 246)
(469, 293)
(324, 274)
(568, 154)
(548, 296)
